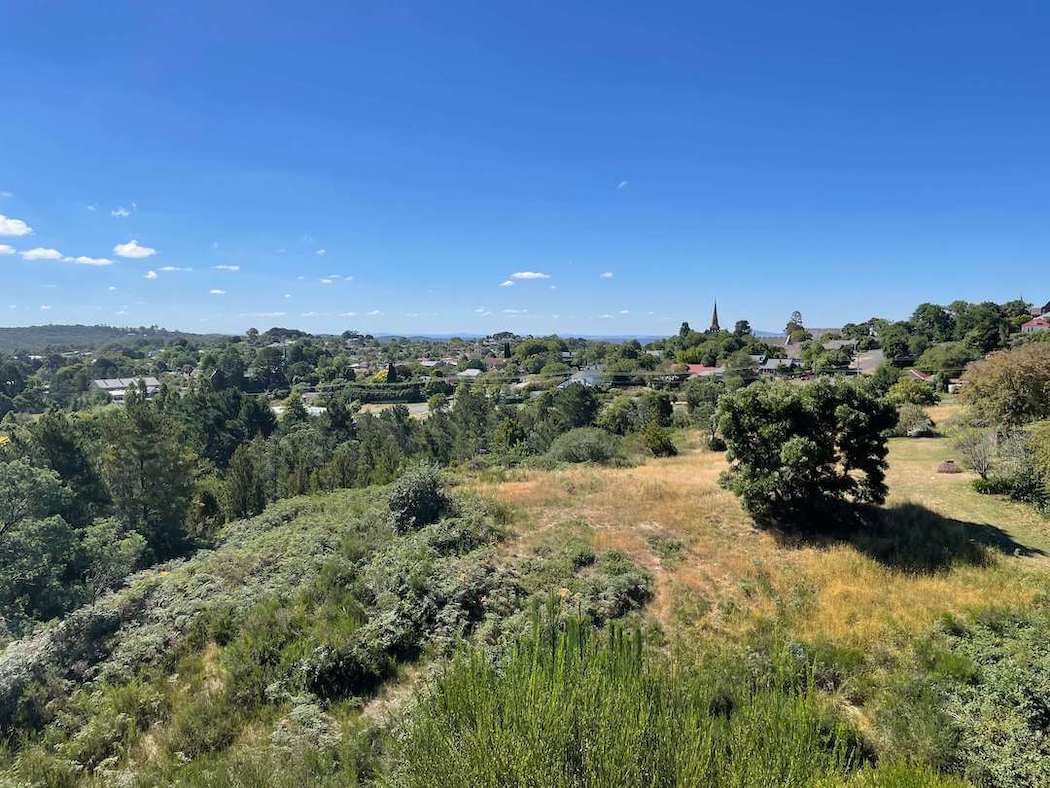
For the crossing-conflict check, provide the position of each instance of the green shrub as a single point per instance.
(912, 391)
(587, 444)
(418, 498)
(658, 440)
(203, 725)
(573, 707)
(912, 422)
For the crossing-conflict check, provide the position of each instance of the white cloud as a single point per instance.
(529, 275)
(14, 227)
(348, 314)
(263, 314)
(40, 253)
(326, 281)
(91, 207)
(308, 314)
(5, 249)
(506, 283)
(6, 195)
(227, 268)
(216, 291)
(606, 275)
(322, 252)
(120, 213)
(375, 312)
(625, 311)
(82, 260)
(112, 289)
(174, 268)
(134, 249)
(151, 275)
(622, 185)
(287, 295)
(605, 317)
(515, 311)
(481, 310)
(45, 307)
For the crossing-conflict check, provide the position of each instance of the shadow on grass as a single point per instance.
(913, 538)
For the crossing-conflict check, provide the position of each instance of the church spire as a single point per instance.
(714, 319)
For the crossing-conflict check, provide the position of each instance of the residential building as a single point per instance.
(1035, 325)
(117, 388)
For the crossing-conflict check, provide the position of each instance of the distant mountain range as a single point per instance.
(56, 337)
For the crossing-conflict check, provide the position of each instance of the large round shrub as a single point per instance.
(587, 444)
(417, 499)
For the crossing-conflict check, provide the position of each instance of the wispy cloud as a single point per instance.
(112, 288)
(5, 249)
(326, 281)
(506, 283)
(481, 310)
(6, 195)
(120, 212)
(263, 314)
(515, 311)
(605, 317)
(625, 311)
(227, 267)
(40, 253)
(174, 268)
(529, 275)
(322, 252)
(375, 312)
(91, 207)
(622, 185)
(83, 260)
(151, 275)
(45, 307)
(348, 314)
(216, 291)
(606, 275)
(14, 227)
(134, 250)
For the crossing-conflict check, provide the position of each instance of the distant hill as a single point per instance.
(54, 337)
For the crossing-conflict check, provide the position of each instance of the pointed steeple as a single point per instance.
(714, 319)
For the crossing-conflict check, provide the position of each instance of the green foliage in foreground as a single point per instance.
(574, 707)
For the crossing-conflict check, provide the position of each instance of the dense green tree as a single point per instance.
(56, 444)
(796, 452)
(148, 469)
(245, 484)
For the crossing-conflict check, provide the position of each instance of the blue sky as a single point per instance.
(389, 167)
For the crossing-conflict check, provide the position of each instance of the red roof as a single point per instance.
(700, 369)
(1038, 322)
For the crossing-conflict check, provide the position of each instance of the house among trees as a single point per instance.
(1035, 325)
(117, 388)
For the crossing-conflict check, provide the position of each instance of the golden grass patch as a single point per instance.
(730, 575)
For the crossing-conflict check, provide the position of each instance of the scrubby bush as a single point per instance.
(587, 444)
(658, 440)
(909, 390)
(584, 708)
(418, 498)
(912, 422)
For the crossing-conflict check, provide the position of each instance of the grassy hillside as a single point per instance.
(334, 640)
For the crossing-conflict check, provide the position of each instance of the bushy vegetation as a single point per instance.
(586, 708)
(587, 444)
(796, 452)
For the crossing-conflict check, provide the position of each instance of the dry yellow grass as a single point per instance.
(732, 574)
